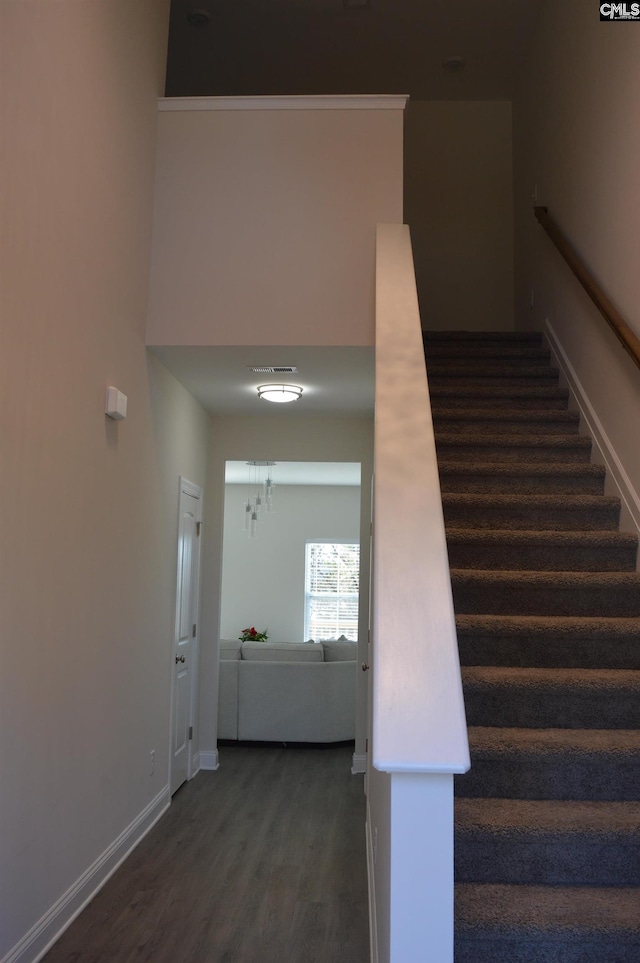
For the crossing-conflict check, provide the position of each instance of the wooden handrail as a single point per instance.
(627, 338)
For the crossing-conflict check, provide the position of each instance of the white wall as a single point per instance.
(458, 204)
(264, 224)
(263, 578)
(278, 438)
(89, 507)
(577, 139)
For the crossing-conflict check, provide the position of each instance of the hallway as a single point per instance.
(262, 861)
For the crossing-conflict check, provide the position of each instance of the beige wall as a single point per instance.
(264, 224)
(279, 438)
(458, 203)
(577, 138)
(89, 507)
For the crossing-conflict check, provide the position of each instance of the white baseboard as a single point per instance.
(41, 937)
(373, 923)
(358, 763)
(209, 759)
(606, 454)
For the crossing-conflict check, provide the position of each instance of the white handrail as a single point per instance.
(418, 710)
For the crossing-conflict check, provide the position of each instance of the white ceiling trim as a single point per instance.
(323, 102)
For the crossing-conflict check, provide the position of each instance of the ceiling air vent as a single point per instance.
(273, 369)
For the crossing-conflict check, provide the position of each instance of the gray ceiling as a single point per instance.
(334, 380)
(327, 47)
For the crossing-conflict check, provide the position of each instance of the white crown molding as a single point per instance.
(45, 932)
(323, 102)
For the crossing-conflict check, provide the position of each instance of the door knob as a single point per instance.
(365, 666)
(180, 658)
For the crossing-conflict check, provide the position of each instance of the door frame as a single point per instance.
(191, 490)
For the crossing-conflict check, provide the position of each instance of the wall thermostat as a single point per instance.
(116, 404)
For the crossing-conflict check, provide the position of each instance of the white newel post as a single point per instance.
(421, 919)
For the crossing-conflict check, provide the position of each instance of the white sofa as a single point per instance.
(287, 692)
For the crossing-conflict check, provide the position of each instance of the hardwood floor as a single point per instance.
(262, 861)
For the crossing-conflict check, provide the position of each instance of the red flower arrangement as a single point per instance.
(252, 635)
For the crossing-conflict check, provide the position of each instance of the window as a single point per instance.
(331, 582)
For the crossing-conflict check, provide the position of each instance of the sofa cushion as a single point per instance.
(282, 652)
(230, 649)
(294, 702)
(337, 651)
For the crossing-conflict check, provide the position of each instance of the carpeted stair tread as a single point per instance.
(556, 698)
(493, 351)
(520, 763)
(492, 447)
(520, 512)
(547, 602)
(483, 395)
(561, 818)
(484, 477)
(613, 594)
(570, 641)
(440, 356)
(498, 923)
(500, 741)
(547, 842)
(586, 551)
(519, 421)
(515, 376)
(502, 337)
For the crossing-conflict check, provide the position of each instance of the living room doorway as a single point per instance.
(264, 578)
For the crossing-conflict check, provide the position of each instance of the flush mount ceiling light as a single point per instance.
(279, 393)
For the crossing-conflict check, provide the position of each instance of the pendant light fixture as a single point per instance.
(260, 496)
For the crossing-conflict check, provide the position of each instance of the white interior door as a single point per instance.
(185, 650)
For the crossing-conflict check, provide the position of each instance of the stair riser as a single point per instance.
(561, 775)
(530, 861)
(450, 449)
(505, 426)
(526, 517)
(447, 396)
(453, 381)
(533, 558)
(527, 599)
(473, 338)
(547, 652)
(533, 484)
(492, 353)
(454, 365)
(540, 707)
(535, 948)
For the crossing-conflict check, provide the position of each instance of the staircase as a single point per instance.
(547, 605)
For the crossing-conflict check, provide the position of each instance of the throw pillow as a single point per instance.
(336, 651)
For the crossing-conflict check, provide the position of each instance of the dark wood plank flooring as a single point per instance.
(261, 861)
